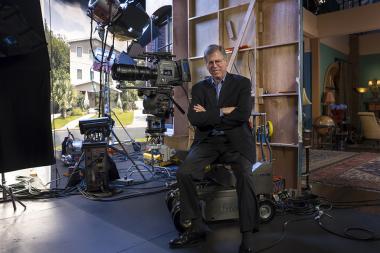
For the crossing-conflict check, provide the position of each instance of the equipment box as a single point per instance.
(219, 204)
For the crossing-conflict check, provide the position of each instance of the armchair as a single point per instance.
(370, 126)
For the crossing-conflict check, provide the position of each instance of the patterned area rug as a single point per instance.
(320, 158)
(359, 171)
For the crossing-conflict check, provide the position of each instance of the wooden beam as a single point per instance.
(241, 34)
(180, 46)
(310, 24)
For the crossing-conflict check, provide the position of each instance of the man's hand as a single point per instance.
(199, 108)
(227, 110)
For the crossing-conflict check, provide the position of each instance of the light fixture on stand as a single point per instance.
(126, 21)
(361, 91)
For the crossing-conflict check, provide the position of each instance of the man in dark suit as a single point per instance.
(220, 108)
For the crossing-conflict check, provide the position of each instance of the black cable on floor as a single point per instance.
(93, 197)
(284, 225)
(348, 233)
(315, 208)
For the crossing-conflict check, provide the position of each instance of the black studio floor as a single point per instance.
(143, 225)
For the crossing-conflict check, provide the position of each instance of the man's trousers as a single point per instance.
(211, 149)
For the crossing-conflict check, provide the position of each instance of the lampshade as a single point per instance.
(305, 99)
(329, 98)
(361, 90)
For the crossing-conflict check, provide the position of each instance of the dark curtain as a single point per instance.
(25, 129)
(344, 88)
(344, 84)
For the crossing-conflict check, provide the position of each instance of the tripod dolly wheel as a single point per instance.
(176, 212)
(170, 199)
(266, 210)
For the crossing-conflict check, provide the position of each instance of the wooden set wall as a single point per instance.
(269, 57)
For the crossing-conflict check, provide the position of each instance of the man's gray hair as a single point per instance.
(213, 48)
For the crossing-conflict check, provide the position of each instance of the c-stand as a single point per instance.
(8, 191)
(135, 146)
(107, 113)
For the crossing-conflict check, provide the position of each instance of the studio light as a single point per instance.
(158, 19)
(125, 21)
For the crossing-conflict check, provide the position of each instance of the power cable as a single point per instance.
(131, 195)
(348, 233)
(283, 233)
(316, 209)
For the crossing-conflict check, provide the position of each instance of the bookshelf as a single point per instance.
(269, 57)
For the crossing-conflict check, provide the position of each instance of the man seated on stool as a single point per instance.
(220, 109)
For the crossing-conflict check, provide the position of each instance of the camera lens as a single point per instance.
(132, 72)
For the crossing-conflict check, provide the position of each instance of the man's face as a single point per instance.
(216, 65)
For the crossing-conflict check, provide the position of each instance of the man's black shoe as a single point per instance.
(245, 250)
(187, 239)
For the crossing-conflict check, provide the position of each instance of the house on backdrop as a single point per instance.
(85, 70)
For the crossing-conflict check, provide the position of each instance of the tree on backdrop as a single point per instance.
(128, 98)
(62, 91)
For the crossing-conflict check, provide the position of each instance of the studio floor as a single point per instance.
(143, 225)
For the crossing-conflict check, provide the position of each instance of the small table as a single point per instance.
(341, 140)
(341, 134)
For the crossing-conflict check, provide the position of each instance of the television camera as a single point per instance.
(158, 100)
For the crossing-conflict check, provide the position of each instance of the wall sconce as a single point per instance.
(374, 86)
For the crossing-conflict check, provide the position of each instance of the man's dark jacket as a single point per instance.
(235, 92)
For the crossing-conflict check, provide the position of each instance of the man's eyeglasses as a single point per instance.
(216, 62)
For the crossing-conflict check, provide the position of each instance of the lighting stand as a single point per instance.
(8, 191)
(129, 157)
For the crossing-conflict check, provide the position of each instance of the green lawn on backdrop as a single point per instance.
(126, 117)
(61, 122)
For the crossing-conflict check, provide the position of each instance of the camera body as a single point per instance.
(163, 76)
(164, 72)
(173, 73)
